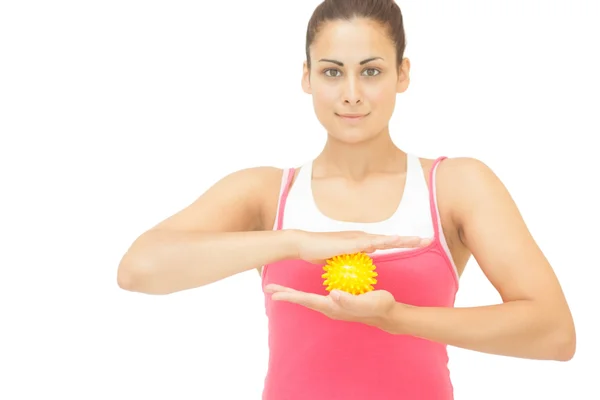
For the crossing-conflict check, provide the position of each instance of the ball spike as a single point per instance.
(352, 273)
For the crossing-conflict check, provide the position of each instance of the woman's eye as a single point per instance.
(334, 73)
(372, 72)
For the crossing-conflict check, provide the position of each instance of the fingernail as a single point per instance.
(335, 294)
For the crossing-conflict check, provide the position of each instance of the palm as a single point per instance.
(371, 304)
(366, 308)
(379, 298)
(317, 247)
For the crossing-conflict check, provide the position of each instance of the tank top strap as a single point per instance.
(286, 182)
(304, 178)
(435, 215)
(416, 184)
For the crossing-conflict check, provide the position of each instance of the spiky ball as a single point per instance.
(352, 273)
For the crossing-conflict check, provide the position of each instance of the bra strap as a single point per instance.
(435, 216)
(286, 183)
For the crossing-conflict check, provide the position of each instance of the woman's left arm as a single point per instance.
(534, 320)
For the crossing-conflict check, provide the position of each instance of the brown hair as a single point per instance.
(385, 12)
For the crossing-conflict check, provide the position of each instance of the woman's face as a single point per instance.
(354, 79)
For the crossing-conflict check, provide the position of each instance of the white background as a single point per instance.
(116, 114)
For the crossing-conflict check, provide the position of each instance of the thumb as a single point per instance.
(343, 299)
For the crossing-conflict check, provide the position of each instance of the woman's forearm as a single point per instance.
(517, 328)
(164, 261)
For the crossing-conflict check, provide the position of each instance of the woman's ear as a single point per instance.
(403, 76)
(306, 79)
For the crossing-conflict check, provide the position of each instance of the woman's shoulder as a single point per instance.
(465, 173)
(462, 181)
(266, 175)
(265, 183)
(457, 170)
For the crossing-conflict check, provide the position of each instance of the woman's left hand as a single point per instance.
(371, 308)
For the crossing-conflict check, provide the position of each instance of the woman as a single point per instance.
(420, 219)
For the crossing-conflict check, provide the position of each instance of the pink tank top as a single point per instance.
(313, 357)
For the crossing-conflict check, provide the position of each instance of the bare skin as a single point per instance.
(359, 176)
(479, 218)
(227, 231)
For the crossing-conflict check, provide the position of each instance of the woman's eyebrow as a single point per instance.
(341, 64)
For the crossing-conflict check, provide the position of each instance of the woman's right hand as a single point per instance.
(316, 247)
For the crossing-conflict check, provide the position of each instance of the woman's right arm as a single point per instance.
(219, 235)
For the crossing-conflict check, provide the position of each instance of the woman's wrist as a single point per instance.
(393, 320)
(289, 239)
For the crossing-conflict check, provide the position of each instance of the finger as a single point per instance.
(369, 244)
(412, 241)
(388, 242)
(309, 300)
(343, 299)
(273, 288)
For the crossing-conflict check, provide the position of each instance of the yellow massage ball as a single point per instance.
(351, 273)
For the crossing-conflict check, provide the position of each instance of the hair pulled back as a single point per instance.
(385, 12)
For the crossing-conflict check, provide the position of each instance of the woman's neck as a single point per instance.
(356, 161)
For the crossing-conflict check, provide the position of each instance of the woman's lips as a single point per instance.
(352, 117)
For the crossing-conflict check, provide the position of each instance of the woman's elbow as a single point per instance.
(129, 274)
(567, 348)
(127, 277)
(136, 276)
(565, 341)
